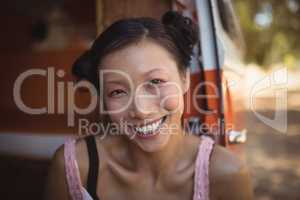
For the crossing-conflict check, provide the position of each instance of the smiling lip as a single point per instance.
(153, 134)
(141, 125)
(143, 137)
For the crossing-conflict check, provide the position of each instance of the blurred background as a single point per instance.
(53, 33)
(271, 31)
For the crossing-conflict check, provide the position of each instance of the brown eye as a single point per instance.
(156, 81)
(117, 93)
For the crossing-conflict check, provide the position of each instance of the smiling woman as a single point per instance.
(143, 63)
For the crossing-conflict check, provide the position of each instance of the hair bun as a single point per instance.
(183, 31)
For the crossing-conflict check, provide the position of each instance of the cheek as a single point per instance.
(172, 100)
(116, 109)
(116, 104)
(116, 117)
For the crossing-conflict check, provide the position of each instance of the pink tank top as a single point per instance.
(201, 177)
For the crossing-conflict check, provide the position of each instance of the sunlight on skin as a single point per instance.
(151, 69)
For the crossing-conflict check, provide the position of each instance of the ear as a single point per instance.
(186, 80)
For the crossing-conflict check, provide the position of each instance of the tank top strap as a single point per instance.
(72, 170)
(201, 182)
(93, 166)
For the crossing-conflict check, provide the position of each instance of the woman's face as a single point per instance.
(143, 90)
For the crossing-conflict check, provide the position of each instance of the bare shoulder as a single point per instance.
(229, 176)
(82, 156)
(224, 162)
(56, 184)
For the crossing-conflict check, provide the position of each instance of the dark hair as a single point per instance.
(176, 33)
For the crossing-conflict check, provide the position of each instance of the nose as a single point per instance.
(143, 106)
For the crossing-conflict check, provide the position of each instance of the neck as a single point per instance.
(160, 161)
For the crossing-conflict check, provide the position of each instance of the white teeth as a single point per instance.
(149, 128)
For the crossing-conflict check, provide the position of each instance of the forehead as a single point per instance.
(140, 58)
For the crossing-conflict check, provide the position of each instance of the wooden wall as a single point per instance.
(112, 10)
(20, 52)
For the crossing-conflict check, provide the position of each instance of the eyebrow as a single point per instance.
(120, 81)
(153, 70)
